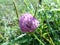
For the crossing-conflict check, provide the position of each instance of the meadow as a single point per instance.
(46, 11)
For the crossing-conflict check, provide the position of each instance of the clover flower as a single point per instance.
(28, 23)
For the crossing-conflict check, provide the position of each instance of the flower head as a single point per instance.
(28, 23)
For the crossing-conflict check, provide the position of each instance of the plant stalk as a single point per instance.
(38, 39)
(15, 8)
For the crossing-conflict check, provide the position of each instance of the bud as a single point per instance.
(28, 23)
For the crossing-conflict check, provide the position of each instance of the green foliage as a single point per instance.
(48, 13)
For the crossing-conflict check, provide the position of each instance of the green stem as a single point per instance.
(46, 39)
(15, 8)
(38, 2)
(51, 40)
(38, 39)
(49, 35)
(36, 9)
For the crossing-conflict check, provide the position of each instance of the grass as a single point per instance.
(48, 13)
